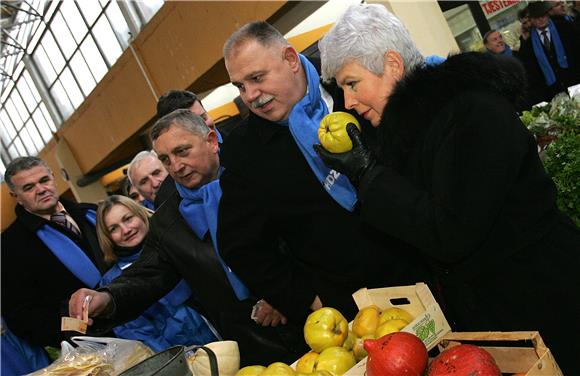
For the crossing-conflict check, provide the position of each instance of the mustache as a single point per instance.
(262, 100)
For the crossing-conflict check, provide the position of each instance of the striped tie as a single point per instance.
(60, 219)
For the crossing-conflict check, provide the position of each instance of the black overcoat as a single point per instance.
(36, 286)
(462, 182)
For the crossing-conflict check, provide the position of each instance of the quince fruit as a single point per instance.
(350, 341)
(358, 350)
(251, 371)
(366, 321)
(332, 132)
(395, 313)
(390, 326)
(324, 328)
(335, 359)
(278, 369)
(307, 363)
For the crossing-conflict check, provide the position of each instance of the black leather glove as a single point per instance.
(354, 163)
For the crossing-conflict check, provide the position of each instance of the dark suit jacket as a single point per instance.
(270, 194)
(36, 286)
(538, 89)
(172, 251)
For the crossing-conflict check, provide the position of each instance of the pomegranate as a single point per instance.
(396, 354)
(464, 360)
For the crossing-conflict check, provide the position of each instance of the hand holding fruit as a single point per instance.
(332, 132)
(354, 163)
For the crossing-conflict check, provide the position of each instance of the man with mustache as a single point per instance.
(276, 189)
(52, 243)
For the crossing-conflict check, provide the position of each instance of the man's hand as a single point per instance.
(354, 163)
(100, 302)
(266, 315)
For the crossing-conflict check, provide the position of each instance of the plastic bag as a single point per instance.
(96, 356)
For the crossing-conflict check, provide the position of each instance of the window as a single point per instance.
(72, 45)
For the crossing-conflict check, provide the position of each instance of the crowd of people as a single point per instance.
(549, 49)
(240, 237)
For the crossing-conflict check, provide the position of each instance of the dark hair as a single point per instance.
(260, 31)
(175, 100)
(182, 118)
(21, 164)
(523, 13)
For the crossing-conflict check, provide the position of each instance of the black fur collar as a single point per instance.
(424, 92)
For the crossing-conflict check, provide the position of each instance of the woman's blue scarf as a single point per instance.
(69, 253)
(199, 208)
(547, 70)
(304, 122)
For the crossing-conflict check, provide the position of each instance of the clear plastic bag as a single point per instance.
(96, 356)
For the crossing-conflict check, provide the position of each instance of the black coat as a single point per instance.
(538, 89)
(272, 197)
(462, 182)
(172, 251)
(36, 286)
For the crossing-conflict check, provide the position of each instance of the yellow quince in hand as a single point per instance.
(332, 132)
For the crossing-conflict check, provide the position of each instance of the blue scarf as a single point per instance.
(69, 253)
(434, 60)
(541, 57)
(507, 51)
(304, 122)
(148, 204)
(199, 208)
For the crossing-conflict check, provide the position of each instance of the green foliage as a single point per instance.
(563, 164)
(559, 124)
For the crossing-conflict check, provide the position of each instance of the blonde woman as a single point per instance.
(122, 226)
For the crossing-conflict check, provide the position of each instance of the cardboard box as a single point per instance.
(518, 352)
(430, 324)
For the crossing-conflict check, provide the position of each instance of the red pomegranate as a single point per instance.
(464, 360)
(396, 354)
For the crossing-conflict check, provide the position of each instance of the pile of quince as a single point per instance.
(335, 347)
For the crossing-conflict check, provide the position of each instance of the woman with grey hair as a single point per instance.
(457, 176)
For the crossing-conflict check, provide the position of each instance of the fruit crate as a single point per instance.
(514, 352)
(430, 325)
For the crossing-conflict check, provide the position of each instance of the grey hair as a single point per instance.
(21, 164)
(364, 33)
(136, 160)
(182, 118)
(259, 31)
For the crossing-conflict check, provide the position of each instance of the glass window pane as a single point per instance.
(91, 53)
(29, 98)
(90, 9)
(47, 117)
(149, 8)
(2, 168)
(14, 116)
(7, 124)
(42, 125)
(13, 151)
(107, 40)
(52, 52)
(31, 86)
(65, 106)
(33, 132)
(118, 21)
(6, 90)
(74, 20)
(82, 73)
(20, 107)
(29, 147)
(44, 65)
(65, 39)
(4, 133)
(71, 87)
(103, 2)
